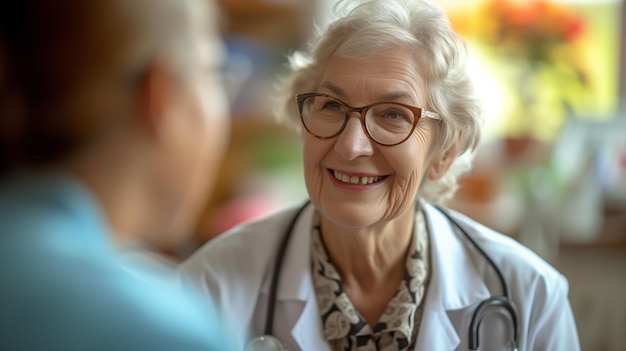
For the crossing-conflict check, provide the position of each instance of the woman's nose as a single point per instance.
(353, 140)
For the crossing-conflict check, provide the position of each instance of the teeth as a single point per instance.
(354, 179)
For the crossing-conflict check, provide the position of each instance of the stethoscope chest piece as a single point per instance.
(265, 343)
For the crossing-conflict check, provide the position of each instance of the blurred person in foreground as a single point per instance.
(113, 121)
(389, 121)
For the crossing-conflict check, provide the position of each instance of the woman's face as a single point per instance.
(397, 170)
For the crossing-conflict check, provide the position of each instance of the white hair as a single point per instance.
(363, 28)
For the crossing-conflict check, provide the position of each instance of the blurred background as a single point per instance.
(551, 170)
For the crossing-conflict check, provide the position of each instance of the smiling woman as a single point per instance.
(388, 120)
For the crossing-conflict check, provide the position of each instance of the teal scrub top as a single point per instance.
(63, 287)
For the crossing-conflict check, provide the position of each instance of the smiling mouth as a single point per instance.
(356, 179)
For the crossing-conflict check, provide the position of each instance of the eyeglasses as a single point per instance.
(386, 123)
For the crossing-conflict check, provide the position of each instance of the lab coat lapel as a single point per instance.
(296, 286)
(455, 284)
(308, 332)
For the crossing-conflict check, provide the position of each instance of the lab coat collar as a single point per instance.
(449, 253)
(455, 284)
(455, 280)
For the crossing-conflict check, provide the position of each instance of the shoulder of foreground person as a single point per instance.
(176, 312)
(63, 286)
(95, 305)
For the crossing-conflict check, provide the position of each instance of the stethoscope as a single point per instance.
(501, 305)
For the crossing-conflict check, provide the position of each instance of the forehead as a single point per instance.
(376, 77)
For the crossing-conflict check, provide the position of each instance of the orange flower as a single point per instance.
(529, 28)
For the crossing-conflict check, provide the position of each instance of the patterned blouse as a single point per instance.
(345, 329)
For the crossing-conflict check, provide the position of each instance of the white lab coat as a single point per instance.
(235, 270)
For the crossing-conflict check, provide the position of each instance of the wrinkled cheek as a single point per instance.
(313, 173)
(404, 193)
(314, 178)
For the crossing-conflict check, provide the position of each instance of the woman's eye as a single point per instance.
(332, 105)
(394, 115)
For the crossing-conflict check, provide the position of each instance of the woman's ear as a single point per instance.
(441, 163)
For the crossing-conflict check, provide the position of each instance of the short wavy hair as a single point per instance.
(363, 28)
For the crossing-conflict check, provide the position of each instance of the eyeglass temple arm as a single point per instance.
(430, 114)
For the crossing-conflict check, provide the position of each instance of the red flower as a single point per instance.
(530, 28)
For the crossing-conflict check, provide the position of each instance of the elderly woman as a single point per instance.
(389, 117)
